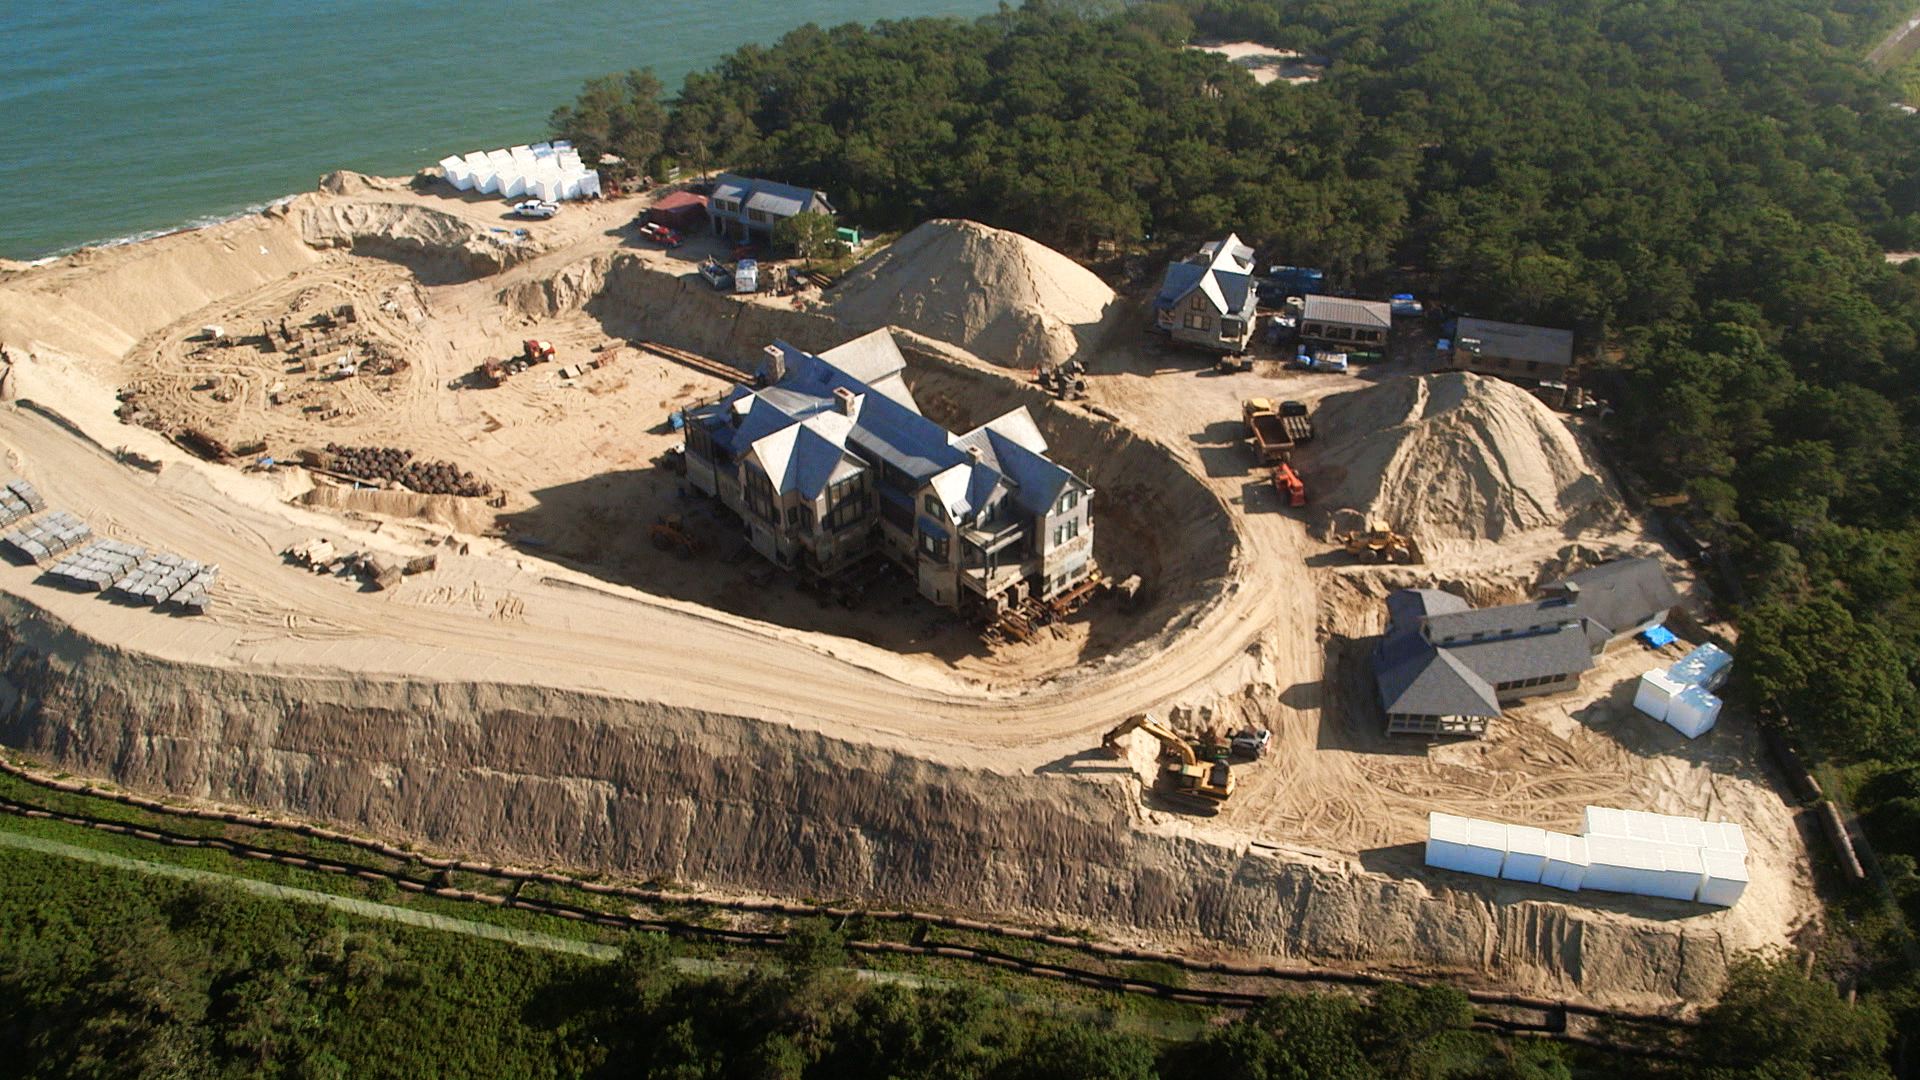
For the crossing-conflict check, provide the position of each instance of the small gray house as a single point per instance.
(745, 209)
(1444, 668)
(1512, 350)
(1338, 321)
(1208, 300)
(828, 462)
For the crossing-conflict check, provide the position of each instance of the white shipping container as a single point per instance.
(1526, 853)
(1680, 872)
(1655, 693)
(1465, 844)
(1606, 821)
(1725, 836)
(1566, 866)
(1725, 880)
(1705, 666)
(1693, 712)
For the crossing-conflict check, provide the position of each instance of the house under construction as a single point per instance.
(829, 462)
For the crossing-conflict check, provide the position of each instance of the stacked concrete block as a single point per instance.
(197, 593)
(49, 536)
(19, 500)
(98, 565)
(159, 576)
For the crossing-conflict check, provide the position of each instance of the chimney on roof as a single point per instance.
(1569, 592)
(776, 368)
(974, 453)
(848, 401)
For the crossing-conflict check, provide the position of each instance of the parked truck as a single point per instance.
(1276, 430)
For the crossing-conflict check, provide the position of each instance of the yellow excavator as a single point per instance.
(1184, 778)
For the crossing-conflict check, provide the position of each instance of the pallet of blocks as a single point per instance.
(46, 537)
(18, 500)
(97, 566)
(165, 578)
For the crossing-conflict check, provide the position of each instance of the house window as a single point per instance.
(934, 547)
(1232, 327)
(1367, 335)
(806, 518)
(1313, 329)
(1199, 302)
(758, 216)
(760, 496)
(1068, 501)
(1198, 320)
(932, 505)
(846, 504)
(726, 206)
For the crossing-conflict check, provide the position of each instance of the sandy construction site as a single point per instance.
(557, 690)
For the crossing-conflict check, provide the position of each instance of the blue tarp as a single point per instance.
(1657, 636)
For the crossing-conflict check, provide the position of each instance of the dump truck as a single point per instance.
(1184, 780)
(1276, 430)
(535, 351)
(1379, 543)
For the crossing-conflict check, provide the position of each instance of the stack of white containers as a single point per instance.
(1628, 851)
(549, 171)
(1682, 695)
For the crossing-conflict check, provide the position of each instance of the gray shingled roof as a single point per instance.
(1514, 341)
(1622, 594)
(1415, 678)
(1416, 674)
(1503, 621)
(1562, 650)
(1337, 309)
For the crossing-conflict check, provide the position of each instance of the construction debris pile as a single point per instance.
(322, 557)
(393, 465)
(46, 537)
(1629, 851)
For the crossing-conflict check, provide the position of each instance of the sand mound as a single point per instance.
(437, 246)
(1456, 457)
(997, 294)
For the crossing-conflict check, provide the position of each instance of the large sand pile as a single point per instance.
(1457, 457)
(438, 246)
(994, 293)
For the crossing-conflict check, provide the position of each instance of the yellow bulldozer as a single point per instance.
(1184, 780)
(1379, 543)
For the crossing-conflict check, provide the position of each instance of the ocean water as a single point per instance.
(119, 119)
